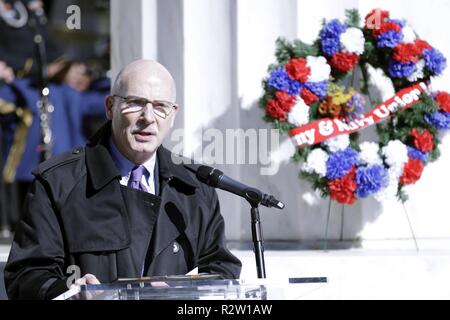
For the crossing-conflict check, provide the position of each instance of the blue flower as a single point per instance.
(357, 102)
(401, 70)
(340, 162)
(333, 28)
(330, 37)
(441, 120)
(399, 22)
(356, 107)
(330, 46)
(434, 60)
(371, 180)
(417, 154)
(318, 88)
(389, 39)
(280, 80)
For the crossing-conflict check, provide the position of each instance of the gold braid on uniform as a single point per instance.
(20, 138)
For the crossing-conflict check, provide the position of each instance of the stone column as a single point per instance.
(133, 32)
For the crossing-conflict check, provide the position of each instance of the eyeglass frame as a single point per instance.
(172, 105)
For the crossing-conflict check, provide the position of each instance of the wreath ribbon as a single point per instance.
(326, 128)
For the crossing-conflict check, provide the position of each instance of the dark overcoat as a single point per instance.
(78, 214)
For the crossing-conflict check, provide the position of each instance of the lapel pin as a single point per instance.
(176, 247)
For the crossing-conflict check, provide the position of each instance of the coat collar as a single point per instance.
(102, 169)
(100, 166)
(175, 167)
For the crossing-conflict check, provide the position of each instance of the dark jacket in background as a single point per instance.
(77, 213)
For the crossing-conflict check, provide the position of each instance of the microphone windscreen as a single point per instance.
(203, 173)
(209, 175)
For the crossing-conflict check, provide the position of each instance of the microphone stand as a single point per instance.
(215, 178)
(254, 197)
(258, 243)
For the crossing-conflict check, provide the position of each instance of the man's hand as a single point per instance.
(86, 279)
(77, 77)
(74, 74)
(6, 73)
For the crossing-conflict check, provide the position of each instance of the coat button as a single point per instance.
(76, 151)
(176, 247)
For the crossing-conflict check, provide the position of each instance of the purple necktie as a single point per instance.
(135, 178)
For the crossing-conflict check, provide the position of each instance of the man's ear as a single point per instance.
(109, 103)
(174, 114)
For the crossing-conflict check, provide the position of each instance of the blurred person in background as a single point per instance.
(76, 95)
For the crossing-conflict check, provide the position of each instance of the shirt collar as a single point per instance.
(124, 165)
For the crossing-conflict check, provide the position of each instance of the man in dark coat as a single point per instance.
(123, 206)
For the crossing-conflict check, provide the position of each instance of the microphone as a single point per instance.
(216, 179)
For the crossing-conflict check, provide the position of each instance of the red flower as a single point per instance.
(421, 45)
(411, 171)
(273, 110)
(308, 96)
(422, 141)
(375, 17)
(343, 190)
(298, 70)
(385, 27)
(344, 61)
(285, 100)
(406, 52)
(443, 98)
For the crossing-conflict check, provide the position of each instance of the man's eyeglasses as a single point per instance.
(160, 108)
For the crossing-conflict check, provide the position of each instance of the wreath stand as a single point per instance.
(325, 245)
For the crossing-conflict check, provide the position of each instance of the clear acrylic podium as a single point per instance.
(193, 288)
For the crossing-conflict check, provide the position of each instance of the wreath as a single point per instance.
(321, 94)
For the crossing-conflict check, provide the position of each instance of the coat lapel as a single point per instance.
(103, 184)
(169, 226)
(173, 217)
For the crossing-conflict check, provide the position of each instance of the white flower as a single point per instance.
(418, 72)
(379, 80)
(369, 153)
(340, 142)
(320, 69)
(396, 171)
(353, 40)
(390, 192)
(408, 34)
(316, 162)
(396, 154)
(299, 114)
